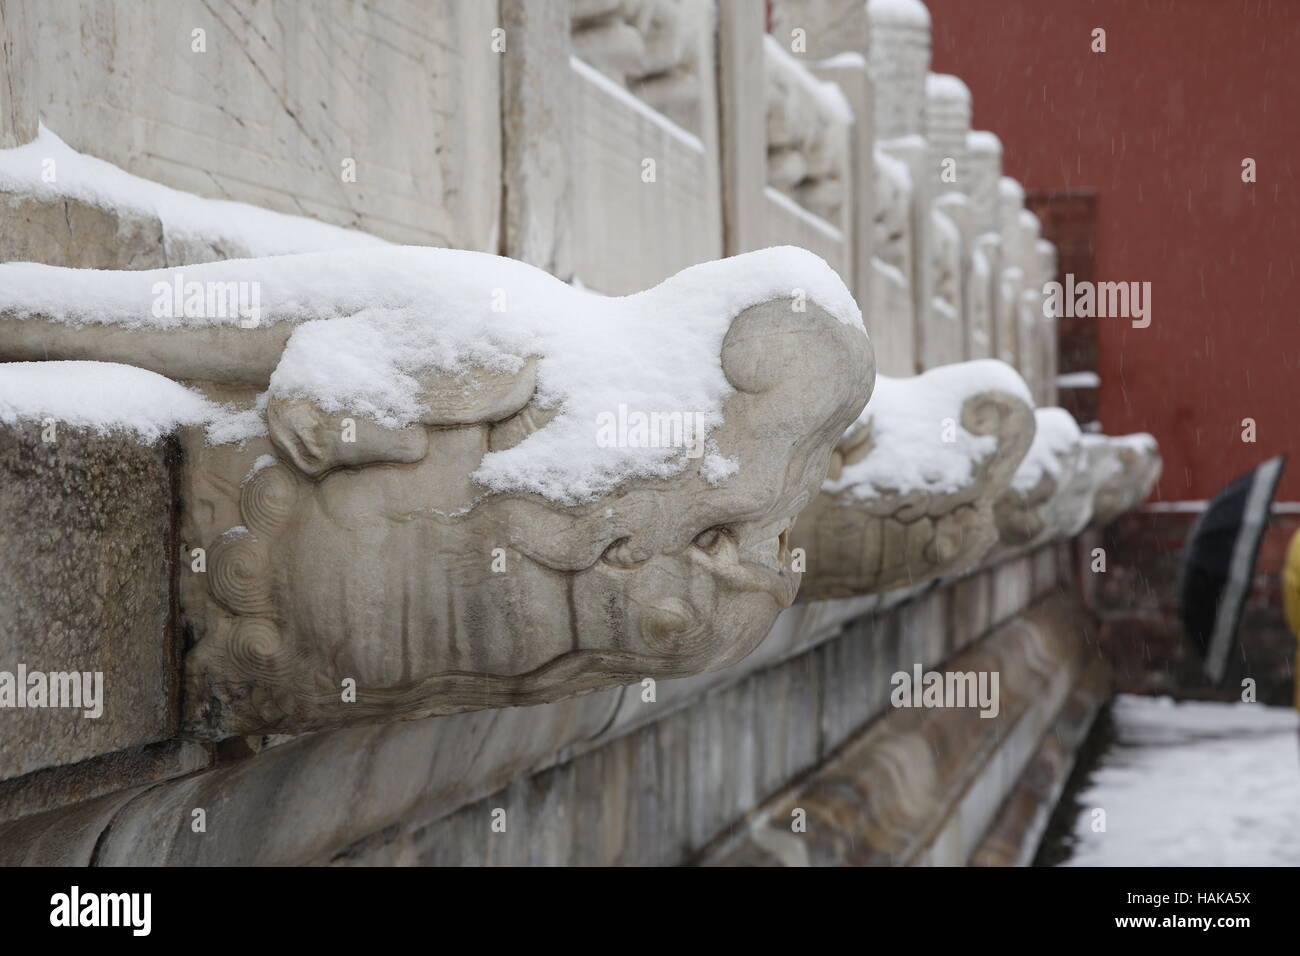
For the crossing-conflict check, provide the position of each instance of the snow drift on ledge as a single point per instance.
(907, 417)
(1055, 434)
(370, 322)
(183, 215)
(106, 398)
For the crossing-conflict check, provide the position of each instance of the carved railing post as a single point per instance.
(1011, 273)
(1047, 324)
(984, 159)
(892, 316)
(742, 124)
(899, 51)
(898, 37)
(537, 170)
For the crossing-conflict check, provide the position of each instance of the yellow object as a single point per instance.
(1291, 599)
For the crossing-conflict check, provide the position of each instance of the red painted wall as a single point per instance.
(1159, 125)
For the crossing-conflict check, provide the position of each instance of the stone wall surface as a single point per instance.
(267, 103)
(85, 585)
(712, 761)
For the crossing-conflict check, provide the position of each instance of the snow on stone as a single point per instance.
(655, 351)
(1141, 442)
(848, 60)
(634, 103)
(102, 396)
(946, 86)
(1078, 380)
(1010, 189)
(1055, 434)
(827, 96)
(894, 168)
(1194, 784)
(397, 312)
(898, 11)
(983, 141)
(262, 461)
(909, 142)
(183, 215)
(908, 418)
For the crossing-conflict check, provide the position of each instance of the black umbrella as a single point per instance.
(1219, 563)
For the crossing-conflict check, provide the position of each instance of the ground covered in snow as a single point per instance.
(1194, 784)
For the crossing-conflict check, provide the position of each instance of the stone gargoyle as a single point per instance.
(1051, 493)
(1125, 468)
(439, 481)
(912, 483)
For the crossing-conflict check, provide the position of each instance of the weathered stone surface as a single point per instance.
(18, 110)
(863, 540)
(656, 50)
(669, 211)
(947, 123)
(76, 234)
(66, 837)
(711, 763)
(278, 98)
(411, 611)
(742, 125)
(1013, 837)
(56, 787)
(354, 577)
(537, 172)
(853, 77)
(84, 587)
(81, 235)
(891, 318)
(1013, 587)
(808, 128)
(372, 787)
(899, 45)
(1051, 496)
(1126, 468)
(921, 785)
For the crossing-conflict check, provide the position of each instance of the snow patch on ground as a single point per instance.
(24, 169)
(909, 419)
(1194, 784)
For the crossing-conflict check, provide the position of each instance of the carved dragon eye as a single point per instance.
(620, 554)
(711, 539)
